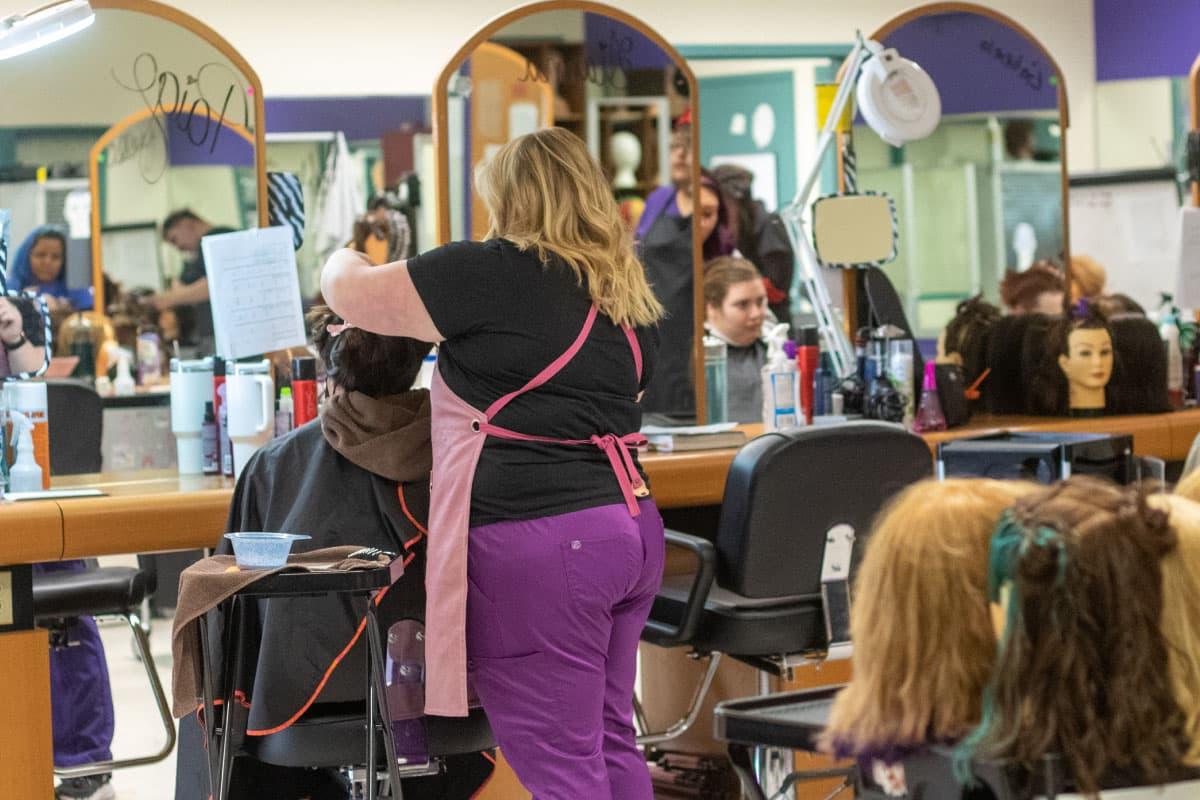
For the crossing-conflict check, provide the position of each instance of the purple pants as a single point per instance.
(554, 612)
(81, 709)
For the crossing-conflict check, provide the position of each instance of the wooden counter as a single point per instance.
(159, 511)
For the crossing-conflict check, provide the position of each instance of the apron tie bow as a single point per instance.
(618, 450)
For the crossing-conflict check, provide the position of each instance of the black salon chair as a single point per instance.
(773, 591)
(77, 424)
(60, 597)
(329, 734)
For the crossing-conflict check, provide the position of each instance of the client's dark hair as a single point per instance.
(359, 361)
(176, 217)
(1082, 670)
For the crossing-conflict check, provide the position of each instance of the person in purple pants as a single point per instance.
(545, 547)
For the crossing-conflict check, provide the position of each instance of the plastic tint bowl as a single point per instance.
(260, 550)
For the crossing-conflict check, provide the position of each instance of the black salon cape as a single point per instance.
(300, 484)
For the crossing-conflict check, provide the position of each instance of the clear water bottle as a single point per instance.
(715, 379)
(405, 685)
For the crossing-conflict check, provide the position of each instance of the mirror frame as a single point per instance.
(171, 14)
(442, 143)
(849, 289)
(1194, 96)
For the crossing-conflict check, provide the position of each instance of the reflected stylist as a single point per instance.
(545, 549)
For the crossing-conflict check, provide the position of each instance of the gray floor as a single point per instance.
(138, 729)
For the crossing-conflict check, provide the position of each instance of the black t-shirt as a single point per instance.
(506, 316)
(196, 319)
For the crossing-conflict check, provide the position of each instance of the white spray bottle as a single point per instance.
(26, 474)
(124, 384)
(780, 385)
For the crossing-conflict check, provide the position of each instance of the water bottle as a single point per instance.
(715, 379)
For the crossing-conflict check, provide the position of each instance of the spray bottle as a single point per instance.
(124, 385)
(25, 474)
(781, 385)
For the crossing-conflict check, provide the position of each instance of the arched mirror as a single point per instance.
(613, 81)
(113, 130)
(986, 193)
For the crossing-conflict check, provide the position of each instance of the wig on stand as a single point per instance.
(1082, 667)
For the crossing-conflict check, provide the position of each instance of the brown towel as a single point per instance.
(209, 582)
(386, 436)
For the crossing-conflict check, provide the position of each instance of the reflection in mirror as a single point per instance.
(617, 86)
(24, 336)
(854, 230)
(143, 114)
(983, 195)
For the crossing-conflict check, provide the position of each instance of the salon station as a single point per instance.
(671, 400)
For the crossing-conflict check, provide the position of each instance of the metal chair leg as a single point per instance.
(743, 765)
(682, 725)
(142, 643)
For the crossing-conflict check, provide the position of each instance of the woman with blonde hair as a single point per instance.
(545, 548)
(924, 643)
(1181, 605)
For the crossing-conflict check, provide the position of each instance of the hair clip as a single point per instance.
(337, 329)
(1082, 308)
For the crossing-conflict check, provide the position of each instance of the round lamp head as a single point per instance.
(898, 99)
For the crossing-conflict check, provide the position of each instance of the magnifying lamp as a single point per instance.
(22, 33)
(900, 102)
(897, 98)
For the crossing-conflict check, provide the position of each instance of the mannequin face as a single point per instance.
(740, 317)
(1088, 363)
(46, 259)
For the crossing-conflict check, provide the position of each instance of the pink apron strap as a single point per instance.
(636, 347)
(551, 370)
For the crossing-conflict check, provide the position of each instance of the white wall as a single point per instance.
(1134, 124)
(313, 47)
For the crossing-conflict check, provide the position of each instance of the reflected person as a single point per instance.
(665, 246)
(41, 267)
(735, 305)
(21, 337)
(188, 294)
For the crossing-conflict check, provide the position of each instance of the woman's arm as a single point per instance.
(26, 358)
(379, 299)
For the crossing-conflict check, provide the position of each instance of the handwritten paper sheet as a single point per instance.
(1188, 291)
(254, 290)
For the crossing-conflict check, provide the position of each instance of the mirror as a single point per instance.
(614, 82)
(854, 230)
(24, 336)
(986, 192)
(144, 113)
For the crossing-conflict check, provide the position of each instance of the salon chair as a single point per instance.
(328, 734)
(76, 423)
(60, 597)
(773, 591)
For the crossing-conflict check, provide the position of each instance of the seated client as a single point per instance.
(735, 305)
(358, 475)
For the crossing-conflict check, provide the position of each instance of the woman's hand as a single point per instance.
(378, 299)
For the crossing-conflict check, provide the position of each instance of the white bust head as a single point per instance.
(626, 152)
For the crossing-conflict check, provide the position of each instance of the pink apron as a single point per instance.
(459, 433)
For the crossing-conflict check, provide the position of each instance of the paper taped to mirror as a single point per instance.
(255, 291)
(1187, 294)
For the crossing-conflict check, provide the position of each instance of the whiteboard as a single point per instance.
(1129, 223)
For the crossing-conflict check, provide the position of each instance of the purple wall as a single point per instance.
(200, 140)
(1145, 38)
(358, 117)
(978, 64)
(633, 49)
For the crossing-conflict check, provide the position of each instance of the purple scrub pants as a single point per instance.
(81, 708)
(554, 612)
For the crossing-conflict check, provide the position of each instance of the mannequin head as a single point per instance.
(1038, 289)
(1074, 365)
(1077, 570)
(964, 340)
(1088, 278)
(735, 300)
(626, 152)
(1087, 364)
(1181, 611)
(923, 638)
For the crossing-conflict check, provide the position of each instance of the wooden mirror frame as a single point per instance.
(1194, 96)
(258, 135)
(441, 139)
(849, 298)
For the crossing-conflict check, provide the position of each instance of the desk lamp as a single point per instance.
(900, 102)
